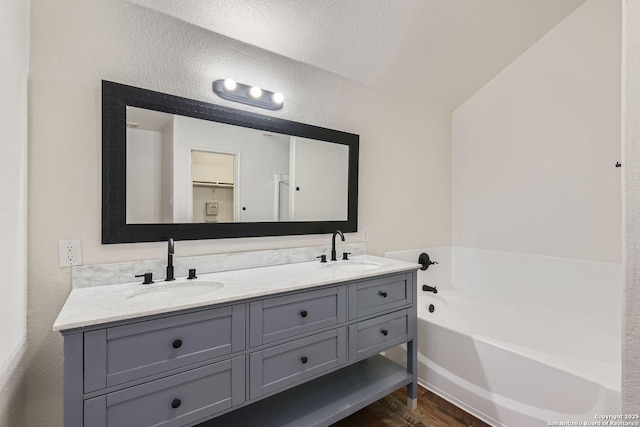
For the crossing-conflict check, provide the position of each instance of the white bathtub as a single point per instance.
(517, 367)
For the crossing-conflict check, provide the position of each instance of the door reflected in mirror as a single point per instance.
(186, 170)
(212, 187)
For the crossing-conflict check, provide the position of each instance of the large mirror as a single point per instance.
(175, 167)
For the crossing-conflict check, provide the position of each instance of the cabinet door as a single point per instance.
(120, 354)
(173, 401)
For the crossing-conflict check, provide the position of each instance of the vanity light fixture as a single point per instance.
(231, 90)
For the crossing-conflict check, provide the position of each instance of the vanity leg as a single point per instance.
(412, 404)
(412, 368)
(73, 380)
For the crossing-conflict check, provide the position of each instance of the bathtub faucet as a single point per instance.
(425, 261)
(429, 289)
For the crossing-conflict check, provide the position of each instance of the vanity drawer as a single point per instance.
(173, 401)
(374, 296)
(125, 353)
(374, 335)
(277, 318)
(287, 364)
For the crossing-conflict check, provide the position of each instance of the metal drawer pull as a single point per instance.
(177, 344)
(384, 332)
(176, 403)
(382, 294)
(304, 359)
(303, 313)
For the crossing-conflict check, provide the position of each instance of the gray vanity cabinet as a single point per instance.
(248, 362)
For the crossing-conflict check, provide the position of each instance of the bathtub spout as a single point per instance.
(429, 289)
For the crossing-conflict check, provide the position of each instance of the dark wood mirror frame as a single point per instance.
(116, 97)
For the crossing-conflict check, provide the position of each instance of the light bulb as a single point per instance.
(255, 92)
(230, 84)
(277, 98)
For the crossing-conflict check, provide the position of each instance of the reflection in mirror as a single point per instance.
(186, 170)
(212, 187)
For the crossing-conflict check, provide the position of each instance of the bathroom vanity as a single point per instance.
(294, 345)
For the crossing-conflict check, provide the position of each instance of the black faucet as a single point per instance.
(333, 244)
(429, 289)
(170, 275)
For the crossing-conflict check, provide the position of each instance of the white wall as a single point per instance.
(166, 180)
(76, 43)
(534, 150)
(631, 167)
(144, 176)
(14, 74)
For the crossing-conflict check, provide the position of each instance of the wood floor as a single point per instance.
(391, 411)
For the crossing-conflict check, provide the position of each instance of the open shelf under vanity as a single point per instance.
(323, 401)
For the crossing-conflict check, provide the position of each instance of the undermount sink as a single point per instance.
(175, 290)
(352, 265)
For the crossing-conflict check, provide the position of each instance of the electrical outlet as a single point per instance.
(70, 252)
(365, 234)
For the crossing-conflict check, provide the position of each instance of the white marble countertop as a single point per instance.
(103, 304)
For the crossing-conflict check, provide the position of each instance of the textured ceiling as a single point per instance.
(442, 50)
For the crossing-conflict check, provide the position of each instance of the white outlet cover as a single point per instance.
(70, 252)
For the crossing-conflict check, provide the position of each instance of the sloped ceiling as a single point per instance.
(442, 50)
